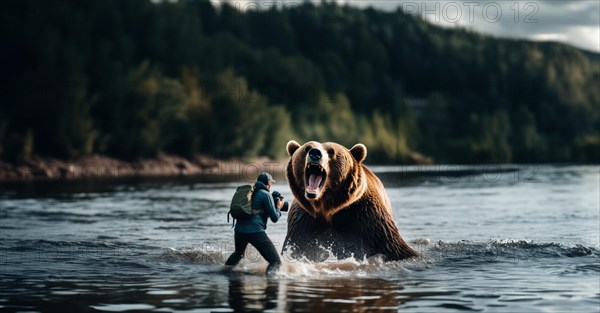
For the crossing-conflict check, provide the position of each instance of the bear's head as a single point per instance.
(325, 177)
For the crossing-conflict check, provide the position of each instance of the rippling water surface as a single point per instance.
(508, 242)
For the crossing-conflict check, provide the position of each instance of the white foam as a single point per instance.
(254, 264)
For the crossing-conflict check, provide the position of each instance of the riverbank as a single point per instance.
(164, 165)
(168, 166)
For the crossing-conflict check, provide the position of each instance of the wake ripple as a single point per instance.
(497, 250)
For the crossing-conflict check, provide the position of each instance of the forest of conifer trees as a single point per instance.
(134, 78)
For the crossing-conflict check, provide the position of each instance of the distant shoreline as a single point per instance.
(96, 166)
(100, 167)
(164, 165)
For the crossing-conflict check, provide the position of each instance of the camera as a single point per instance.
(277, 196)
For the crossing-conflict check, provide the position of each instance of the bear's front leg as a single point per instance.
(307, 237)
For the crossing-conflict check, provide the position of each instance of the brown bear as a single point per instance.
(340, 206)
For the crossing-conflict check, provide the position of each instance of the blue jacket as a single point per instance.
(261, 200)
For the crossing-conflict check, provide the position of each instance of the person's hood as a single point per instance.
(259, 185)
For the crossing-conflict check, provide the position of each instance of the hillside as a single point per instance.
(131, 79)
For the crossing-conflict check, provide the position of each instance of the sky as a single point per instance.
(575, 22)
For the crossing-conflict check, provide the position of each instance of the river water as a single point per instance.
(526, 241)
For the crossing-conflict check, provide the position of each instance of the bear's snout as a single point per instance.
(315, 154)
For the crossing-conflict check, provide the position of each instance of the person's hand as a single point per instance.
(279, 203)
(286, 206)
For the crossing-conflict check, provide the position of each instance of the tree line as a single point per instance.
(135, 78)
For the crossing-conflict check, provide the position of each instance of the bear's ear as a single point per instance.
(292, 146)
(359, 152)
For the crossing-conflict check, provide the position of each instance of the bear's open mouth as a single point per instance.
(315, 178)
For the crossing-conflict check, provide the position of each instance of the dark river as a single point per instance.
(525, 241)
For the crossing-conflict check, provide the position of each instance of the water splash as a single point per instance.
(440, 253)
(254, 264)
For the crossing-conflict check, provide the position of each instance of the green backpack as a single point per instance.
(241, 204)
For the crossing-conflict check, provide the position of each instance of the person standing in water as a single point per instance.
(251, 230)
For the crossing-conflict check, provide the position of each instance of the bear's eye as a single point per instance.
(331, 153)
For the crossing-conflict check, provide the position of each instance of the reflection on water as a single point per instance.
(503, 245)
(253, 294)
(348, 295)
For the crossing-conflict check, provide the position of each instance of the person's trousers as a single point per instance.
(262, 243)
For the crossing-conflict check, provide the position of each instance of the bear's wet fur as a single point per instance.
(340, 206)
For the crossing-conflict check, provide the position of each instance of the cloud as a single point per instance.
(572, 22)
